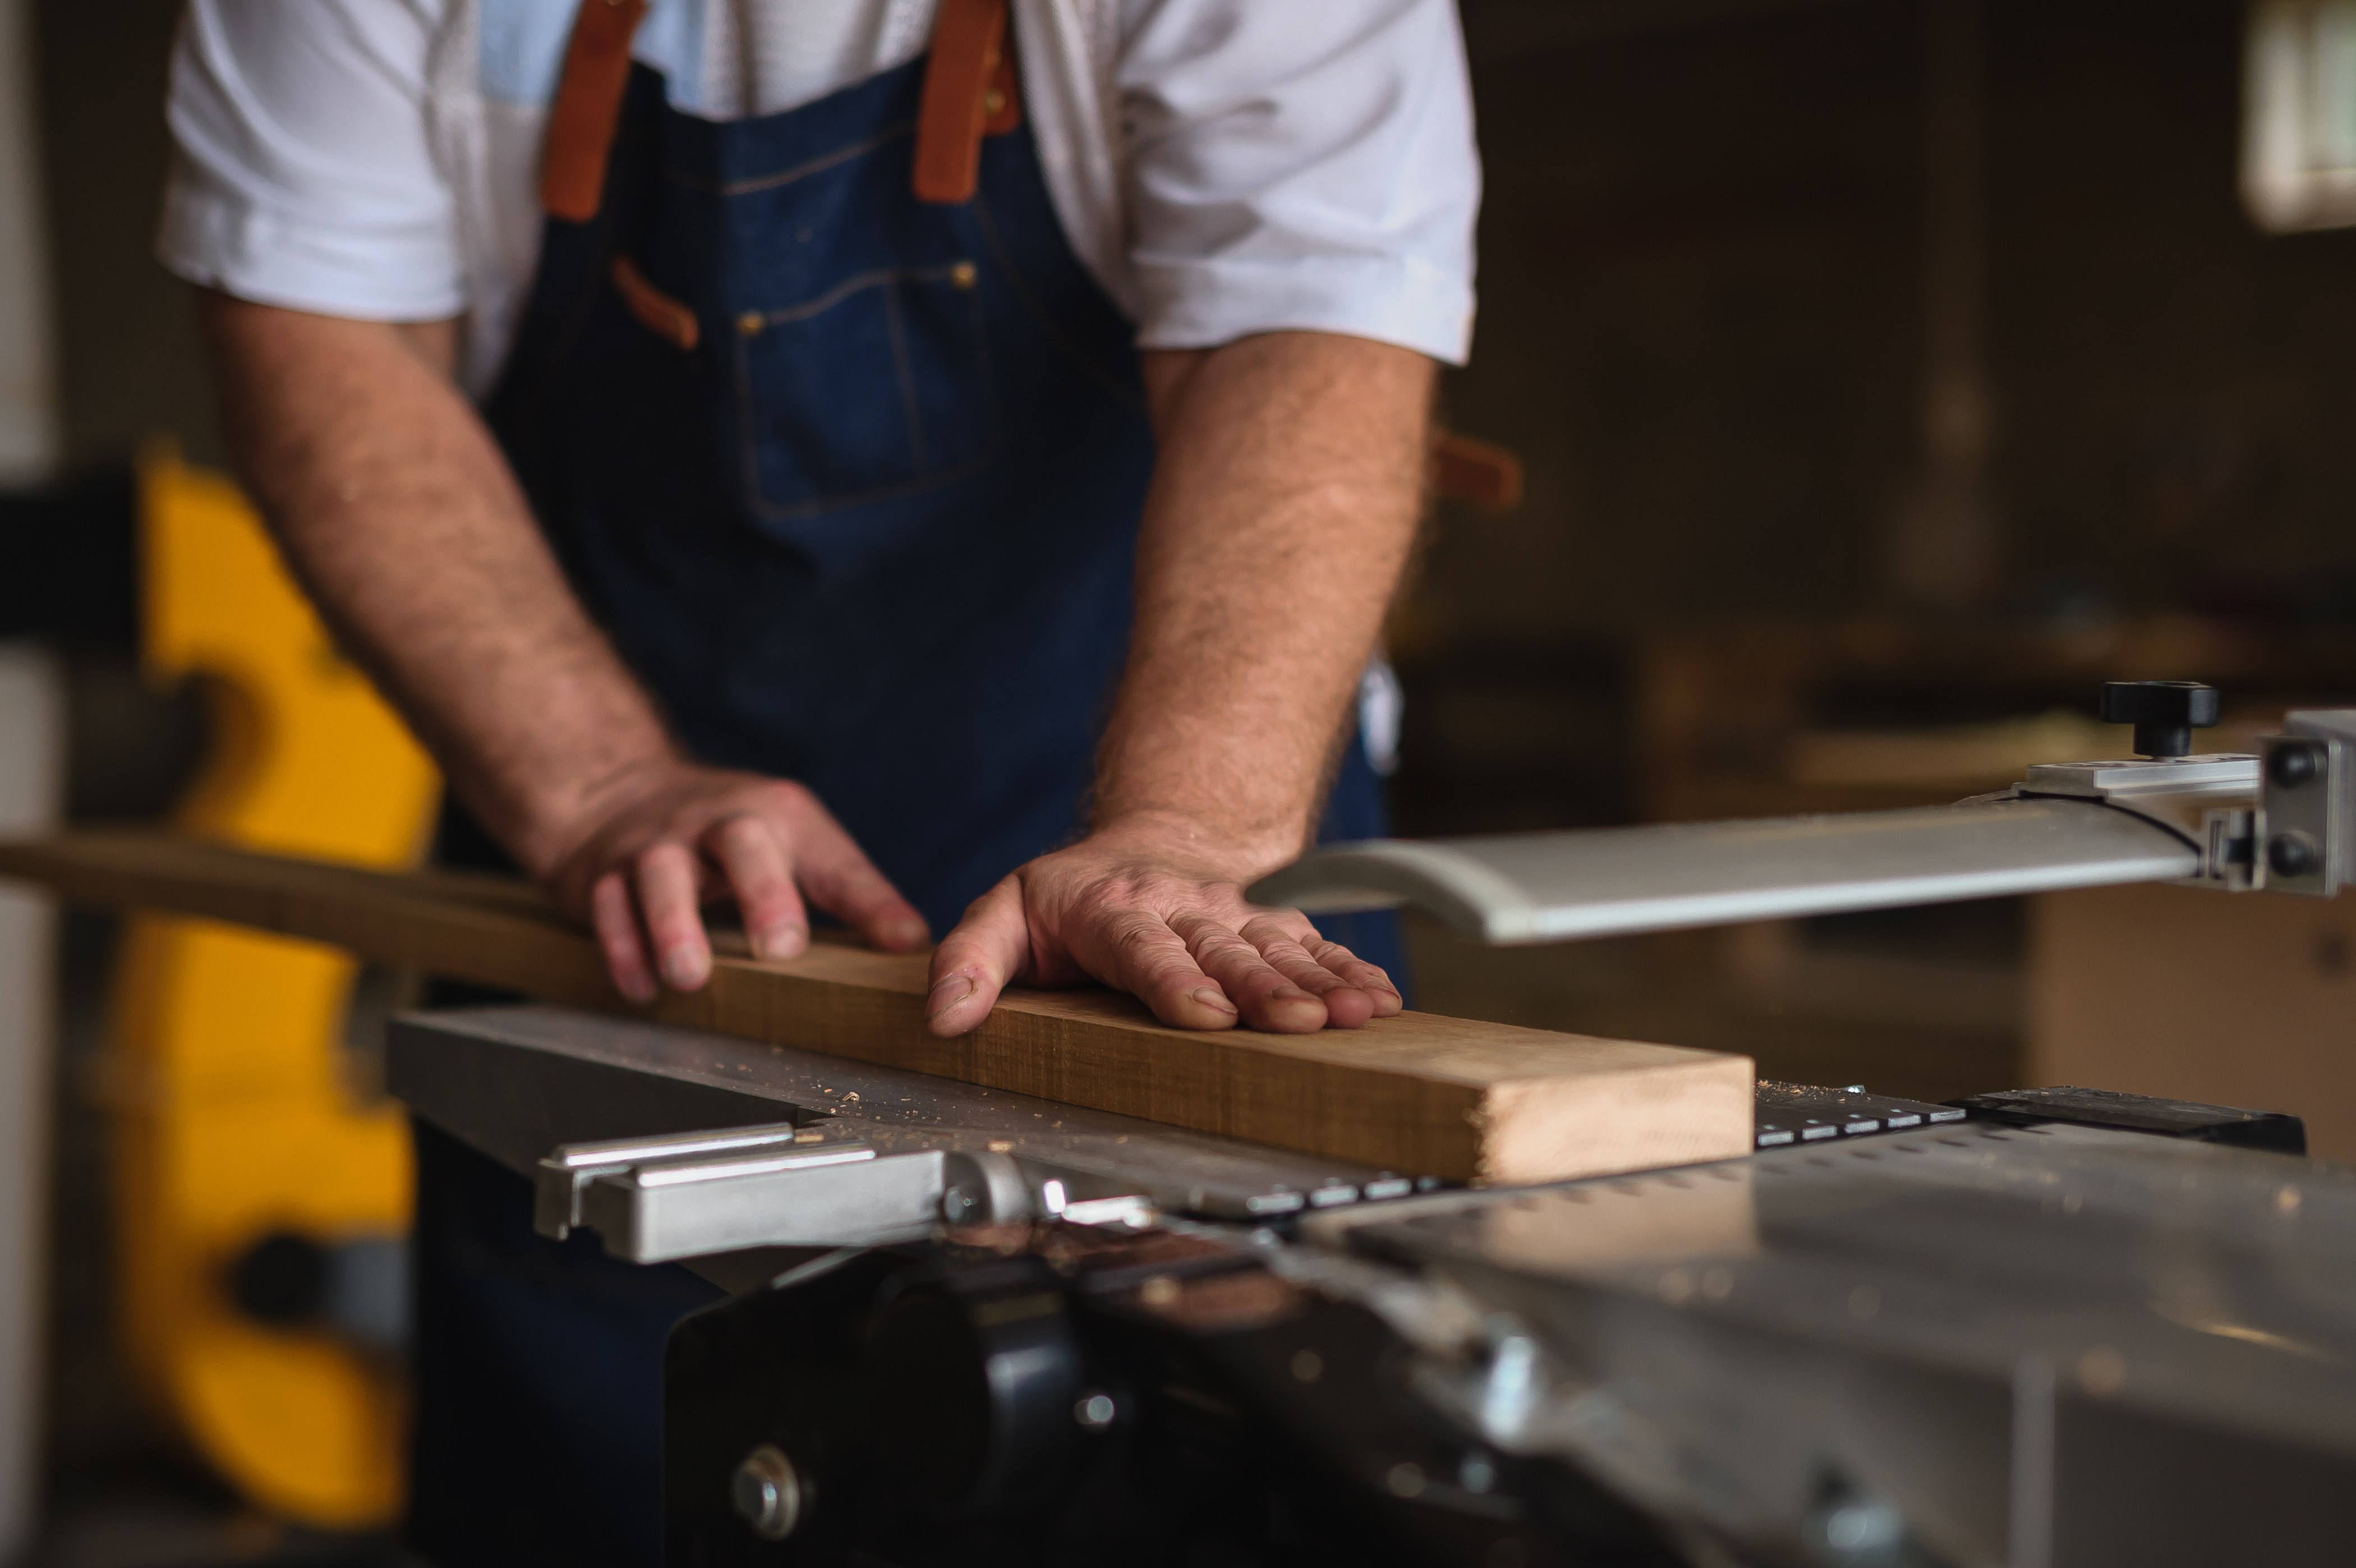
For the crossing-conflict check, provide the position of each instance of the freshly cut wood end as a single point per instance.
(1695, 1106)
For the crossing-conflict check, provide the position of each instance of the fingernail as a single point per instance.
(907, 933)
(1216, 1000)
(680, 971)
(1290, 994)
(948, 994)
(781, 942)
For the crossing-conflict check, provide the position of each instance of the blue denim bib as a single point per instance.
(874, 530)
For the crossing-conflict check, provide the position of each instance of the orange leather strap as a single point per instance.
(968, 50)
(656, 311)
(588, 105)
(1479, 473)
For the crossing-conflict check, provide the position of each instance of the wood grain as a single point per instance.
(1414, 1093)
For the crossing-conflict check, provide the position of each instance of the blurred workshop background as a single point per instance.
(1884, 376)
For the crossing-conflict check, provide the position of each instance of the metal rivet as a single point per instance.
(1159, 1290)
(1405, 1480)
(766, 1493)
(1307, 1366)
(750, 323)
(993, 101)
(964, 274)
(1094, 1411)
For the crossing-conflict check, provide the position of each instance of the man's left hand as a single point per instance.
(1142, 906)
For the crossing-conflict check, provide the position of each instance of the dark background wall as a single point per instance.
(1702, 317)
(127, 356)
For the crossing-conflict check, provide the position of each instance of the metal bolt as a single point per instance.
(2288, 767)
(767, 1493)
(960, 1204)
(1094, 1411)
(2293, 855)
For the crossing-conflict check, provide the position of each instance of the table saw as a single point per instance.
(2038, 1328)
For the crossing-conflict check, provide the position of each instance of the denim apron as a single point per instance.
(873, 531)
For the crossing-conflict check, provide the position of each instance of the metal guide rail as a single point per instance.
(2281, 821)
(971, 1328)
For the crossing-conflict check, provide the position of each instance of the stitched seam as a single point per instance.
(905, 375)
(850, 286)
(819, 165)
(775, 512)
(749, 454)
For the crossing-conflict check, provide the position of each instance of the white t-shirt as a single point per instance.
(1223, 167)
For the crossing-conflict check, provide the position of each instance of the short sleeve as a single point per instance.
(304, 174)
(1300, 164)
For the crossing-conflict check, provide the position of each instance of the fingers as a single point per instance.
(974, 961)
(757, 870)
(1138, 951)
(1370, 978)
(616, 925)
(844, 882)
(666, 900)
(1268, 998)
(1348, 1002)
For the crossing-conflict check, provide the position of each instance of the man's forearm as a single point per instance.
(398, 514)
(1283, 509)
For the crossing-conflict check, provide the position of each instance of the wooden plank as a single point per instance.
(1414, 1093)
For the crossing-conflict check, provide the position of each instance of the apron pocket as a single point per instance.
(878, 388)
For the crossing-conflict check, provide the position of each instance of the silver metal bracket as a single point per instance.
(2307, 822)
(659, 1199)
(2209, 802)
(2229, 852)
(2126, 780)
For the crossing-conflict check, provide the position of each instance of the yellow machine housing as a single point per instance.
(234, 1115)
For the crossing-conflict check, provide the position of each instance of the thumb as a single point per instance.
(975, 962)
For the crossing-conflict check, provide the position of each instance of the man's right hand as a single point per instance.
(656, 843)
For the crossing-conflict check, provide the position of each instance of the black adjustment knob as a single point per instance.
(2293, 855)
(2290, 763)
(2164, 713)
